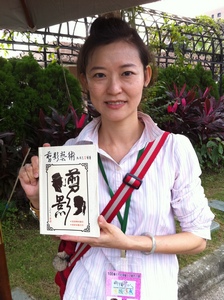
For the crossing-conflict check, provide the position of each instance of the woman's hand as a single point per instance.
(110, 237)
(29, 179)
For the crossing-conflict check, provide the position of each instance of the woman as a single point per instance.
(114, 67)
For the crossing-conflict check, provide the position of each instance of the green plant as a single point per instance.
(200, 117)
(155, 102)
(10, 160)
(25, 87)
(192, 76)
(39, 105)
(8, 212)
(211, 153)
(156, 98)
(55, 129)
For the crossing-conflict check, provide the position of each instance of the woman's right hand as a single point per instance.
(29, 179)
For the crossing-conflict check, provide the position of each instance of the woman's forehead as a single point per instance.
(116, 45)
(113, 52)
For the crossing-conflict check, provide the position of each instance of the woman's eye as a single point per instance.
(127, 73)
(99, 75)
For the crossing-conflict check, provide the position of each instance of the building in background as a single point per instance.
(217, 13)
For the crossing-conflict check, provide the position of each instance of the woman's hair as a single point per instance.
(105, 31)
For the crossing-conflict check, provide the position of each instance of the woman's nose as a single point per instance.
(114, 85)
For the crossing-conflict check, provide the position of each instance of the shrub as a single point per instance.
(155, 102)
(200, 117)
(10, 159)
(190, 75)
(54, 129)
(156, 97)
(57, 128)
(25, 87)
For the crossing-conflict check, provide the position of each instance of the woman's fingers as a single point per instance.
(35, 166)
(26, 175)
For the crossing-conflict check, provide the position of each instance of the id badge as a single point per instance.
(121, 283)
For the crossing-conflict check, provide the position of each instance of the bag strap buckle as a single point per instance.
(132, 181)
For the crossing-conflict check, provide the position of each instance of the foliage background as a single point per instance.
(25, 87)
(45, 104)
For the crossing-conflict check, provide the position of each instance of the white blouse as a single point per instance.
(171, 189)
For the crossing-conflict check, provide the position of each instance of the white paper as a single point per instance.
(68, 179)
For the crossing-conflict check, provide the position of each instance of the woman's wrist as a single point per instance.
(34, 202)
(145, 243)
(34, 211)
(153, 241)
(34, 207)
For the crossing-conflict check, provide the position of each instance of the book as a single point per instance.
(68, 187)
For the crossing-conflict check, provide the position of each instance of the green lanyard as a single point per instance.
(123, 221)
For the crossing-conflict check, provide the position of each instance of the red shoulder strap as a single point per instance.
(131, 181)
(125, 190)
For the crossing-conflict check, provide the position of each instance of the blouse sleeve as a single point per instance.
(189, 202)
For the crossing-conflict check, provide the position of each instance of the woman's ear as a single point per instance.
(148, 75)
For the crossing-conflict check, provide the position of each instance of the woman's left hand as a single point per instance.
(110, 237)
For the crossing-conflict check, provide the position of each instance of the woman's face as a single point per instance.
(115, 78)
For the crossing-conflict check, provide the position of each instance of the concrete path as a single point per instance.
(216, 293)
(202, 276)
(18, 294)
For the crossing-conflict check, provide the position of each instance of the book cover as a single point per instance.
(68, 180)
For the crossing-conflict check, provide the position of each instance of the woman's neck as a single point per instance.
(117, 139)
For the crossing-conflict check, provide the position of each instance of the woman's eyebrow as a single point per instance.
(128, 65)
(96, 68)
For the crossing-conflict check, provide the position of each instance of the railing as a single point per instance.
(62, 42)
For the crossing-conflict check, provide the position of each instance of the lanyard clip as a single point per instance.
(132, 180)
(123, 253)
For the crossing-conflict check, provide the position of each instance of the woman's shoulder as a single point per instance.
(183, 150)
(180, 140)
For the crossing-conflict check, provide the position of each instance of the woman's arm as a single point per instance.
(112, 237)
(179, 243)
